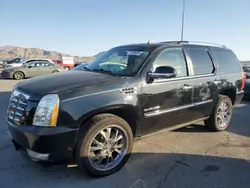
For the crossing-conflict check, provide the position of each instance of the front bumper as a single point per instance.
(7, 74)
(44, 144)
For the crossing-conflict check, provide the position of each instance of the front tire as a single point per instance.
(221, 115)
(18, 75)
(104, 145)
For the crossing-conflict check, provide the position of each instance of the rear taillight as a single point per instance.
(242, 80)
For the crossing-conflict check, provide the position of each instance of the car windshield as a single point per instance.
(120, 61)
(246, 69)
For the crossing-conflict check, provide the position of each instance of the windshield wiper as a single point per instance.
(87, 69)
(103, 71)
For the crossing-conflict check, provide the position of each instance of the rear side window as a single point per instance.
(227, 61)
(201, 61)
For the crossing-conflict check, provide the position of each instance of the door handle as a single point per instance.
(187, 87)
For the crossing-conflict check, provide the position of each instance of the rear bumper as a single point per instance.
(247, 89)
(44, 144)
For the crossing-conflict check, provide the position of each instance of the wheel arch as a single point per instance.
(126, 112)
(231, 93)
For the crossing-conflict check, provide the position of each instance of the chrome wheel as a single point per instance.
(107, 148)
(223, 114)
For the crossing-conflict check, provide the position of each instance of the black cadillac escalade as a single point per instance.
(90, 118)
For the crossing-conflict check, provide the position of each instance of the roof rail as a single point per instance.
(175, 42)
(195, 42)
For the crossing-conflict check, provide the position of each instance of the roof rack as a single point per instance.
(194, 42)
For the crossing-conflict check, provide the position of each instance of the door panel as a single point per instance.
(33, 71)
(166, 103)
(206, 83)
(45, 70)
(205, 96)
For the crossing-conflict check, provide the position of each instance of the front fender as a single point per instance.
(75, 111)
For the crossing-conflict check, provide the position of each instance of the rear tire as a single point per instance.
(221, 115)
(55, 72)
(107, 139)
(67, 68)
(18, 75)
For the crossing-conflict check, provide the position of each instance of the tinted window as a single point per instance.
(173, 58)
(228, 62)
(50, 64)
(246, 69)
(201, 61)
(38, 64)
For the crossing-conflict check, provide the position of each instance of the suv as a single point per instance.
(89, 118)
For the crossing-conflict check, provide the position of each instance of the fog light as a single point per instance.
(38, 156)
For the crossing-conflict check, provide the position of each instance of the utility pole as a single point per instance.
(183, 17)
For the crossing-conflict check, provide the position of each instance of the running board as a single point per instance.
(172, 128)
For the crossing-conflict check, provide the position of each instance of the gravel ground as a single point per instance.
(189, 157)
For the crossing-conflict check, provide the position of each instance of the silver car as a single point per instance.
(32, 69)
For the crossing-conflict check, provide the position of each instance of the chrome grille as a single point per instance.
(17, 107)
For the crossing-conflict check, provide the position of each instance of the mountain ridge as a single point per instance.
(10, 51)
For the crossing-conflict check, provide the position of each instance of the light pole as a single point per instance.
(183, 17)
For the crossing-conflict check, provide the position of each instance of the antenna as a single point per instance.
(183, 17)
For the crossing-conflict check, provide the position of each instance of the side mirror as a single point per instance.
(163, 72)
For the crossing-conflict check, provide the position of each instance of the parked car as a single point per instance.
(21, 63)
(1, 63)
(15, 62)
(247, 82)
(90, 118)
(246, 71)
(31, 69)
(67, 63)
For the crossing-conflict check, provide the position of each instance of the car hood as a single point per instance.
(56, 83)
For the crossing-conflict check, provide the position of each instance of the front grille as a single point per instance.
(17, 108)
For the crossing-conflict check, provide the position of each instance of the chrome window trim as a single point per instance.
(159, 112)
(184, 78)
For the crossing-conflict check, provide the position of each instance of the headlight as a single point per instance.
(47, 111)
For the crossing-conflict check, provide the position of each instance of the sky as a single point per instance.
(84, 28)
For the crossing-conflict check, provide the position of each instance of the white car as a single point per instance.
(28, 61)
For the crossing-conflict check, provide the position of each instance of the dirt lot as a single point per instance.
(190, 157)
